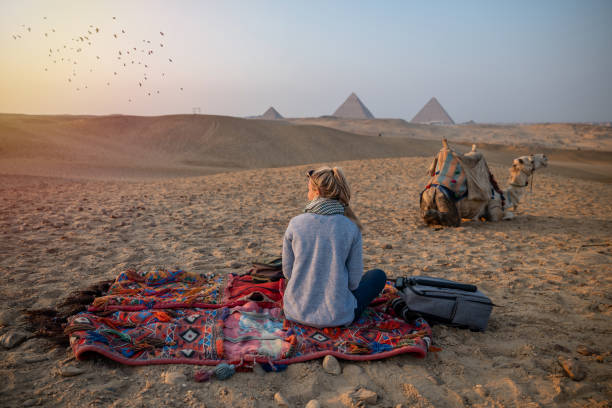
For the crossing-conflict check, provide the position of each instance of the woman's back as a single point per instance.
(322, 260)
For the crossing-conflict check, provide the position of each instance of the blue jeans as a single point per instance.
(371, 284)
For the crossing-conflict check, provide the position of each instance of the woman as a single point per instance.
(322, 257)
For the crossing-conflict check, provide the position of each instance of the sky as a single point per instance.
(487, 61)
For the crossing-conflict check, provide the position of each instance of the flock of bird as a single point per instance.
(133, 59)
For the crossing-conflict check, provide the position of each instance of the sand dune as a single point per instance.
(136, 147)
(553, 135)
(196, 144)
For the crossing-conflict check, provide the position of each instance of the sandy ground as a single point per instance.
(549, 271)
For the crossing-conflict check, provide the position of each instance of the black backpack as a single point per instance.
(442, 301)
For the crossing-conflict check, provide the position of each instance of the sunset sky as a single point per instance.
(506, 61)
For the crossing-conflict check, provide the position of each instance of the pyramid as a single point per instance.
(433, 113)
(353, 108)
(271, 114)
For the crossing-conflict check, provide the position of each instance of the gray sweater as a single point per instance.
(322, 260)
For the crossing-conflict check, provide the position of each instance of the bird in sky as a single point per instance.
(77, 57)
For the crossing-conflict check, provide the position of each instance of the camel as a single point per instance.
(462, 186)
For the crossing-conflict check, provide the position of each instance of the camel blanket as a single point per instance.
(461, 174)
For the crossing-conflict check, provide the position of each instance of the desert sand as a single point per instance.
(81, 201)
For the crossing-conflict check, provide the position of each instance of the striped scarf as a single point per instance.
(324, 206)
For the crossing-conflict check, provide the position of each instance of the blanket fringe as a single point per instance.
(49, 323)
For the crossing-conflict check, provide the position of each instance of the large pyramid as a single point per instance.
(433, 114)
(353, 108)
(271, 114)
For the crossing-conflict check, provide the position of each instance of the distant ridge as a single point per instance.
(271, 114)
(433, 114)
(176, 145)
(353, 108)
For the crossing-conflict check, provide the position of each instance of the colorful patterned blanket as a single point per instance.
(446, 171)
(168, 317)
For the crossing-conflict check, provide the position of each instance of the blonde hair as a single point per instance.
(331, 183)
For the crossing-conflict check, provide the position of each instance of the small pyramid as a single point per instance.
(353, 108)
(433, 114)
(271, 114)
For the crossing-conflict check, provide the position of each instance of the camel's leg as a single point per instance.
(449, 215)
(429, 210)
(494, 211)
(508, 215)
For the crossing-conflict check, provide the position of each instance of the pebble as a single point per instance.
(13, 338)
(387, 246)
(71, 371)
(313, 404)
(280, 400)
(174, 377)
(365, 395)
(331, 365)
(572, 368)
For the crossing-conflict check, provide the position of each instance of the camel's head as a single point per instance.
(520, 171)
(524, 166)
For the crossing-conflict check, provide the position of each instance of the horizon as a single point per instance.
(513, 63)
(256, 117)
